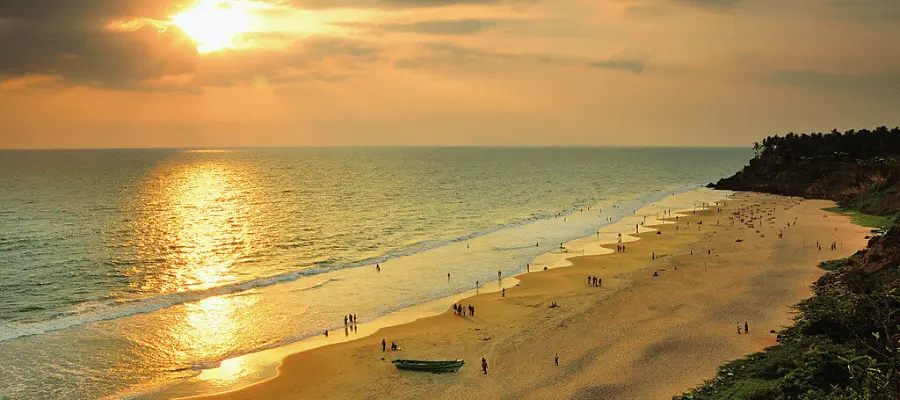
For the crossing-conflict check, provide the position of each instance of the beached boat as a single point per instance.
(429, 366)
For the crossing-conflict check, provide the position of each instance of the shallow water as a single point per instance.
(126, 270)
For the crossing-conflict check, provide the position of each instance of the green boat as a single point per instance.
(429, 366)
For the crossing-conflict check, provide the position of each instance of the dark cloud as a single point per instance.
(392, 4)
(147, 59)
(631, 65)
(435, 3)
(441, 55)
(95, 57)
(443, 27)
(709, 3)
(72, 12)
(69, 39)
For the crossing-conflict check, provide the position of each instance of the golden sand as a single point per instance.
(636, 337)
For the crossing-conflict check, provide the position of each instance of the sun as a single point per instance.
(215, 24)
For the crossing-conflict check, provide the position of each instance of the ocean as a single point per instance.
(124, 271)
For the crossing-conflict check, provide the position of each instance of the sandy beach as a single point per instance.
(638, 336)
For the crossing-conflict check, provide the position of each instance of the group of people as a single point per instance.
(394, 346)
(594, 281)
(460, 310)
(746, 328)
(833, 245)
(350, 319)
(620, 248)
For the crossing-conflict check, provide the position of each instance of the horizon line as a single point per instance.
(374, 147)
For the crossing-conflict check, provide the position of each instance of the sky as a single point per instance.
(223, 73)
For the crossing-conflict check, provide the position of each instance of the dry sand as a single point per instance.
(637, 337)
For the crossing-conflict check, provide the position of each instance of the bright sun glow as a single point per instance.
(215, 24)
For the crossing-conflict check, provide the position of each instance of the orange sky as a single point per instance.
(204, 73)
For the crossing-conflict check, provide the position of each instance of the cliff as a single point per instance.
(858, 169)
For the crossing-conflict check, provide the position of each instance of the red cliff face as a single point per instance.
(881, 259)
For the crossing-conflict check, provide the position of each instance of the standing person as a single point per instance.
(345, 320)
(498, 273)
(355, 319)
(448, 277)
(484, 365)
(326, 333)
(503, 292)
(556, 359)
(739, 328)
(746, 328)
(377, 267)
(383, 345)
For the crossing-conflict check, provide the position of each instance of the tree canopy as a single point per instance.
(849, 145)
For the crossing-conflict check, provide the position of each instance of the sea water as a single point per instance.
(123, 271)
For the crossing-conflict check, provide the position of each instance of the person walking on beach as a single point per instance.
(355, 319)
(503, 292)
(498, 273)
(556, 359)
(739, 328)
(383, 345)
(471, 310)
(484, 365)
(326, 333)
(448, 277)
(345, 320)
(377, 267)
(746, 328)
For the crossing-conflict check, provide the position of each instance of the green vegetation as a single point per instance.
(850, 145)
(863, 219)
(832, 265)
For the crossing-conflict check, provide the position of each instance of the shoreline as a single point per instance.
(649, 337)
(250, 369)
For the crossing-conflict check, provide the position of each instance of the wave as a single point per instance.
(317, 285)
(513, 248)
(86, 313)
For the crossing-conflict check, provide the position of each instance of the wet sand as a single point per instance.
(637, 336)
